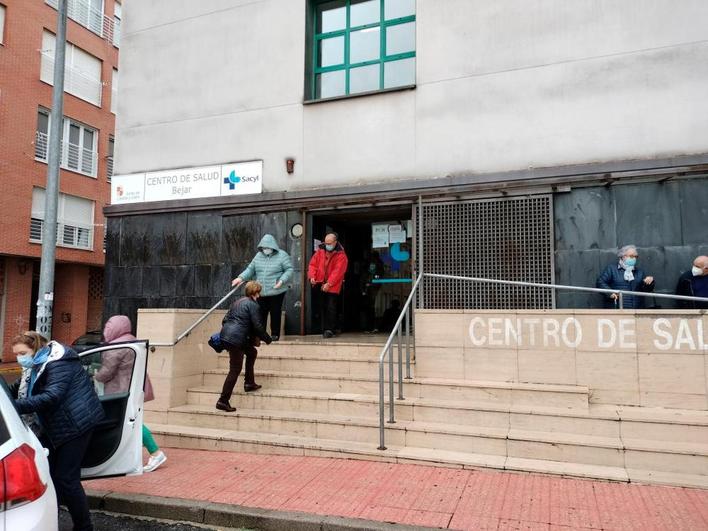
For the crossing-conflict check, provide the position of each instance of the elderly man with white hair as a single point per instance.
(625, 276)
(694, 283)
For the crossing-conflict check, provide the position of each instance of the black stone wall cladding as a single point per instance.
(666, 221)
(187, 260)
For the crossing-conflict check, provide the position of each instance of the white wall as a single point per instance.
(501, 85)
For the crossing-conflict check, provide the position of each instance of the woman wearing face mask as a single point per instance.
(625, 276)
(61, 394)
(273, 269)
(242, 325)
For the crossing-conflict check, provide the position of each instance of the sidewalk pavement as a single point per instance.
(414, 494)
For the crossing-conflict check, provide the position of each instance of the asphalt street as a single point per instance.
(115, 522)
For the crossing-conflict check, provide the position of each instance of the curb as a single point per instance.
(220, 514)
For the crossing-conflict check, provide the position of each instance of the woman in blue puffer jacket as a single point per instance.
(272, 268)
(62, 395)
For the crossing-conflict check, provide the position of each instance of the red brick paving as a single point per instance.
(417, 495)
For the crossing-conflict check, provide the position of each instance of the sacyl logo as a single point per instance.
(232, 180)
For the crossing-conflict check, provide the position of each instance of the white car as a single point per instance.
(27, 496)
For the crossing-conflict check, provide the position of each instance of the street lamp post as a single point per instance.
(45, 301)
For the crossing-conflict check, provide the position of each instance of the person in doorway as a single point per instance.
(115, 373)
(241, 331)
(62, 395)
(273, 269)
(326, 272)
(694, 283)
(625, 276)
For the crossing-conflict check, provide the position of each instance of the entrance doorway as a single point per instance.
(379, 246)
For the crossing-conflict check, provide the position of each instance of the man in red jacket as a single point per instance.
(326, 270)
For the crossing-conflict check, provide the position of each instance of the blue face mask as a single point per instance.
(25, 360)
(330, 247)
(630, 262)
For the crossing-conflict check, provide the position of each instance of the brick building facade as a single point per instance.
(27, 29)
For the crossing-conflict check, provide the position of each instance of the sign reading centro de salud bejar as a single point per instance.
(238, 178)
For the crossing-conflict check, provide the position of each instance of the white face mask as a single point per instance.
(696, 271)
(267, 251)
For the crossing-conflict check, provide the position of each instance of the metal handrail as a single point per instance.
(408, 307)
(405, 313)
(198, 321)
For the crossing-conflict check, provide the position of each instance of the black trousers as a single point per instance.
(329, 311)
(65, 469)
(235, 365)
(272, 305)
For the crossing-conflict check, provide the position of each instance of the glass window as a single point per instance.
(331, 84)
(364, 12)
(111, 370)
(399, 8)
(365, 45)
(83, 70)
(399, 73)
(74, 220)
(400, 38)
(364, 78)
(331, 16)
(331, 52)
(355, 40)
(2, 23)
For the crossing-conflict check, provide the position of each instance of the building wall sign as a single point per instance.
(238, 178)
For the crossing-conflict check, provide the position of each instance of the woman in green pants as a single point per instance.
(115, 372)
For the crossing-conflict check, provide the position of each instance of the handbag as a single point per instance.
(215, 342)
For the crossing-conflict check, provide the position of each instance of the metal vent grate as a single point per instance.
(507, 239)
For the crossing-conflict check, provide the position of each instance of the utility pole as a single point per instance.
(45, 302)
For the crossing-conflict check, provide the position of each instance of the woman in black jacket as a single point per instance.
(57, 389)
(241, 328)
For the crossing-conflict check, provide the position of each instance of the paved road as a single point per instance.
(112, 522)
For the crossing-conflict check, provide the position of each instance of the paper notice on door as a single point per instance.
(396, 234)
(409, 228)
(317, 244)
(379, 236)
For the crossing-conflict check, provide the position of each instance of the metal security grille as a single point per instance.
(507, 239)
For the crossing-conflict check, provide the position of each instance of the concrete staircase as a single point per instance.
(320, 398)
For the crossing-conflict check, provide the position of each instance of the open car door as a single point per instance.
(118, 373)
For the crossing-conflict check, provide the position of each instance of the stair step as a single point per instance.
(229, 440)
(314, 364)
(565, 447)
(486, 414)
(458, 390)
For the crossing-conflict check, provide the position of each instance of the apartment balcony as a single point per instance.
(83, 13)
(73, 157)
(68, 235)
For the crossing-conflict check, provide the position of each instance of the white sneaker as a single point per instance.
(155, 461)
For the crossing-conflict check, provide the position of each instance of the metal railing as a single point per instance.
(109, 168)
(68, 234)
(198, 321)
(406, 315)
(76, 82)
(83, 13)
(73, 156)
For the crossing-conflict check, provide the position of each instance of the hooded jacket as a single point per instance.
(63, 397)
(268, 270)
(329, 267)
(116, 365)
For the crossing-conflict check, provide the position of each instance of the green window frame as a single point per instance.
(383, 59)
